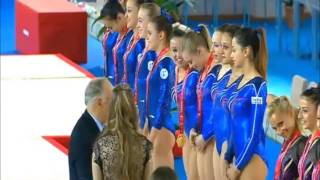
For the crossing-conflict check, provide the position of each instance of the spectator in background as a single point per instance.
(120, 152)
(164, 173)
(98, 95)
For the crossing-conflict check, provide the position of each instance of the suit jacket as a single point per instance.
(82, 139)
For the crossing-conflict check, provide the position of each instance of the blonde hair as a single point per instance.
(124, 124)
(152, 8)
(199, 38)
(283, 105)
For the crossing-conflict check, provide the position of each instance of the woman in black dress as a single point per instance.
(120, 152)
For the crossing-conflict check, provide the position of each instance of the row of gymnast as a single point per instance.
(218, 84)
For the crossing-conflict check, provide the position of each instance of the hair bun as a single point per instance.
(181, 27)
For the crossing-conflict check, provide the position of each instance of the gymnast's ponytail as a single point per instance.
(256, 40)
(261, 62)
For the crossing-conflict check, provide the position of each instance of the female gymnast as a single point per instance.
(115, 20)
(185, 95)
(196, 46)
(309, 103)
(160, 82)
(216, 47)
(136, 44)
(227, 81)
(146, 12)
(108, 42)
(246, 143)
(283, 118)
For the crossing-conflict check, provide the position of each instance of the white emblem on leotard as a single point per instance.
(139, 56)
(164, 73)
(150, 65)
(256, 100)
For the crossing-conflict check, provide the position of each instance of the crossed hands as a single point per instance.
(197, 140)
(229, 171)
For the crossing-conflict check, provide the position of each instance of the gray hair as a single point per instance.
(94, 89)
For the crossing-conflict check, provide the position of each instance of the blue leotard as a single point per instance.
(204, 88)
(160, 82)
(145, 63)
(247, 106)
(109, 40)
(130, 62)
(118, 52)
(190, 100)
(176, 93)
(220, 94)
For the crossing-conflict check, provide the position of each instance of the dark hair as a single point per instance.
(313, 94)
(222, 28)
(247, 37)
(176, 32)
(140, 2)
(111, 9)
(162, 173)
(193, 40)
(162, 24)
(179, 30)
(231, 29)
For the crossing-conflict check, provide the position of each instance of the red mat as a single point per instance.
(62, 143)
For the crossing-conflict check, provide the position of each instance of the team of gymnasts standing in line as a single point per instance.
(219, 86)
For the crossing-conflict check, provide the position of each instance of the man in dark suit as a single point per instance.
(98, 97)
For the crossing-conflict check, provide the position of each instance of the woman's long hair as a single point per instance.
(256, 39)
(123, 123)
